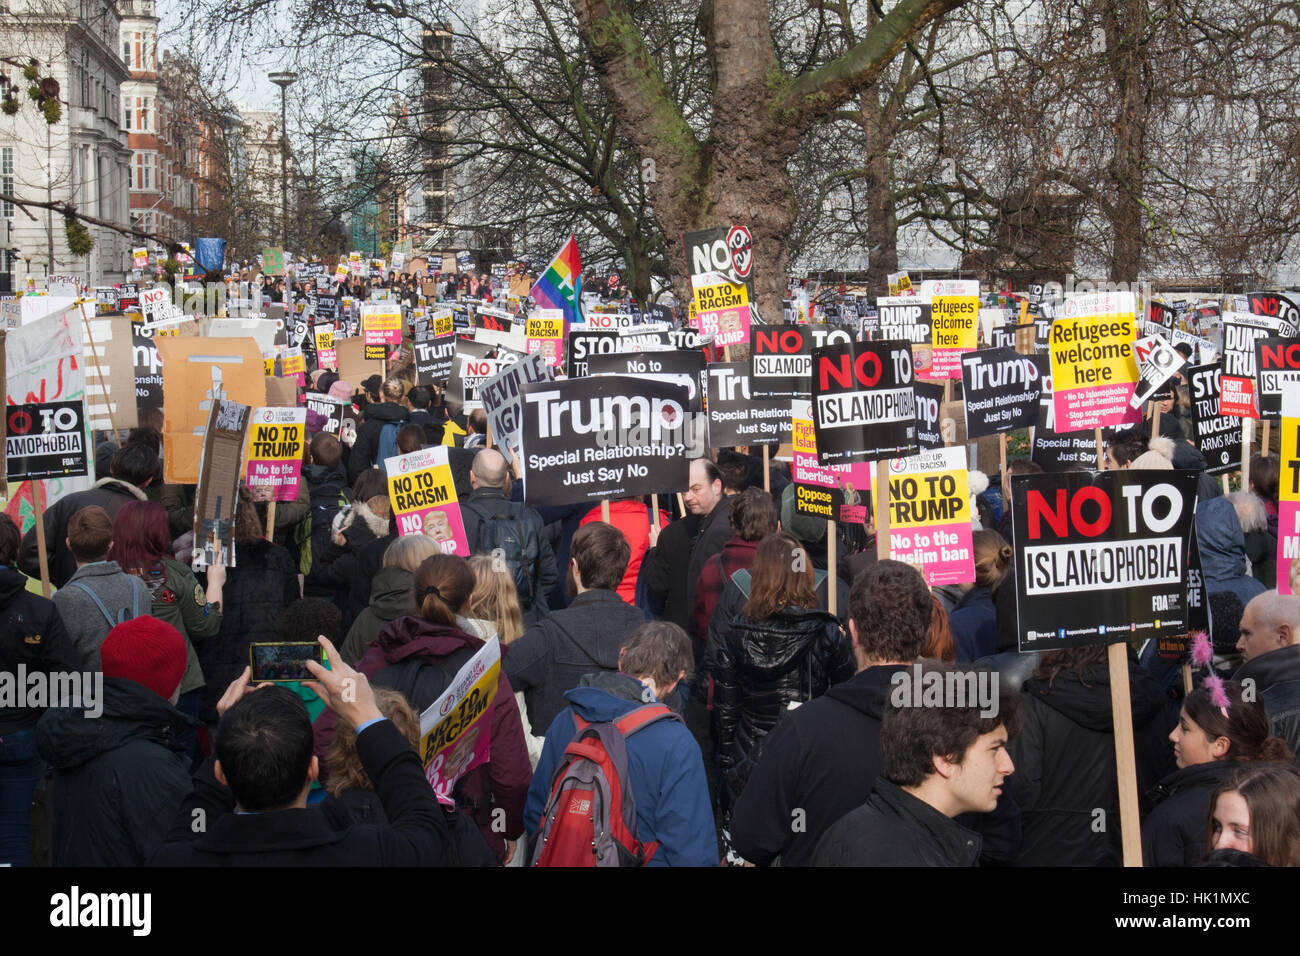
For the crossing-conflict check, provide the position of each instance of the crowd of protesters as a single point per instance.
(780, 743)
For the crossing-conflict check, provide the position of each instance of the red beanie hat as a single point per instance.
(147, 651)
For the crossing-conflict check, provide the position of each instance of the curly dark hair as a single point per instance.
(891, 607)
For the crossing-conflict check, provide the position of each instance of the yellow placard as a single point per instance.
(1093, 350)
(544, 329)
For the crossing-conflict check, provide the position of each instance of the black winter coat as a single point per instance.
(119, 778)
(263, 582)
(366, 447)
(759, 668)
(663, 568)
(1065, 763)
(1174, 832)
(324, 489)
(32, 635)
(822, 759)
(555, 653)
(895, 828)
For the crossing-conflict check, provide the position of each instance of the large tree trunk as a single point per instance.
(882, 218)
(738, 174)
(1126, 27)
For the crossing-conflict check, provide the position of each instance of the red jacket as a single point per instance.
(632, 517)
(506, 776)
(736, 554)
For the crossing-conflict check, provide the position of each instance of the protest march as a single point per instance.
(731, 564)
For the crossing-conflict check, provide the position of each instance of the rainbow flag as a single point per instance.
(560, 286)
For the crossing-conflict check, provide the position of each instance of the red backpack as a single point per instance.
(590, 816)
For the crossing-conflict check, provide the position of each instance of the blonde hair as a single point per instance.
(495, 599)
(409, 551)
(343, 763)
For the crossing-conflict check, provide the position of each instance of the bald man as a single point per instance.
(494, 523)
(1270, 654)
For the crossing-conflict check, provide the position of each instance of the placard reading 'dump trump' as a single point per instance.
(1240, 332)
(1101, 557)
(929, 515)
(735, 417)
(608, 436)
(864, 408)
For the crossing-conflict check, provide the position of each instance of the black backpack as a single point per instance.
(510, 535)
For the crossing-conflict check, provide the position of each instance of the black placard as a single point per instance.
(45, 440)
(609, 436)
(1277, 361)
(1217, 437)
(1056, 451)
(584, 344)
(1002, 389)
(675, 366)
(908, 319)
(780, 358)
(736, 417)
(929, 402)
(1102, 556)
(332, 408)
(863, 405)
(433, 355)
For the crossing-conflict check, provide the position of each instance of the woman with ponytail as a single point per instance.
(1218, 731)
(974, 619)
(419, 656)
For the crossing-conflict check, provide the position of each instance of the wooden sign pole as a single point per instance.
(767, 477)
(1125, 762)
(1101, 452)
(1265, 442)
(882, 510)
(38, 507)
(831, 561)
(270, 520)
(681, 503)
(604, 510)
(1002, 464)
(1247, 430)
(654, 511)
(1187, 678)
(1155, 419)
(1224, 476)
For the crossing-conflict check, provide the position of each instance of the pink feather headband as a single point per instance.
(1218, 695)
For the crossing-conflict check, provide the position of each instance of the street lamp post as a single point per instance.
(284, 81)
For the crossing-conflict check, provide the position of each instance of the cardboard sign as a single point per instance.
(1288, 486)
(1277, 364)
(273, 261)
(456, 729)
(1103, 556)
(780, 358)
(1217, 437)
(502, 400)
(1158, 362)
(217, 495)
(929, 398)
(864, 408)
(45, 441)
(929, 515)
(423, 496)
(1054, 451)
(1094, 372)
(954, 325)
(1240, 332)
(197, 372)
(1002, 389)
(110, 371)
(612, 436)
(354, 366)
(838, 492)
(276, 442)
(736, 417)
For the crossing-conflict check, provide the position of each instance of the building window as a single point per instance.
(126, 51)
(144, 170)
(7, 181)
(126, 113)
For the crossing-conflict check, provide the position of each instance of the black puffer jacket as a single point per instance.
(32, 635)
(1065, 763)
(895, 828)
(263, 582)
(1174, 832)
(759, 668)
(118, 777)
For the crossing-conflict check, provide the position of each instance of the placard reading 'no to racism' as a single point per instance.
(423, 495)
(1102, 556)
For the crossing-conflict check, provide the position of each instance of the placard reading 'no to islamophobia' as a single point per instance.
(864, 408)
(1101, 556)
(45, 441)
